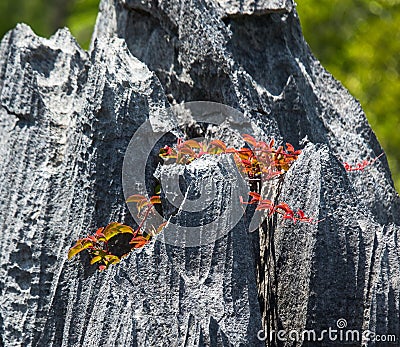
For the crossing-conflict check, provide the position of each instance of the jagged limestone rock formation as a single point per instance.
(66, 117)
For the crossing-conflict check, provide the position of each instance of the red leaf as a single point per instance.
(255, 196)
(266, 205)
(246, 162)
(300, 213)
(99, 231)
(271, 143)
(284, 207)
(289, 148)
(167, 152)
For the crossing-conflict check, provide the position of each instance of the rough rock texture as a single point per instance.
(66, 117)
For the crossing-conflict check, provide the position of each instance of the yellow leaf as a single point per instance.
(155, 200)
(125, 229)
(112, 259)
(116, 228)
(161, 227)
(142, 204)
(95, 260)
(191, 144)
(79, 247)
(136, 198)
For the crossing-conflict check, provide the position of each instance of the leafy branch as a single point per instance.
(361, 166)
(262, 162)
(282, 208)
(98, 244)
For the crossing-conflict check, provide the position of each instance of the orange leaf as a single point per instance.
(139, 241)
(271, 143)
(99, 231)
(191, 144)
(188, 151)
(255, 196)
(245, 153)
(155, 199)
(218, 143)
(249, 139)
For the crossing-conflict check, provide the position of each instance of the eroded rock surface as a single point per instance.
(66, 117)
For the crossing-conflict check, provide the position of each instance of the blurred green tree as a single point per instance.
(45, 17)
(81, 20)
(42, 15)
(358, 41)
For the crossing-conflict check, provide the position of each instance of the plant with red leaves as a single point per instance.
(98, 244)
(262, 160)
(361, 166)
(282, 208)
(266, 160)
(187, 151)
(145, 207)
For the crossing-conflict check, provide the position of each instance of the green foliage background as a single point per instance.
(358, 41)
(46, 16)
